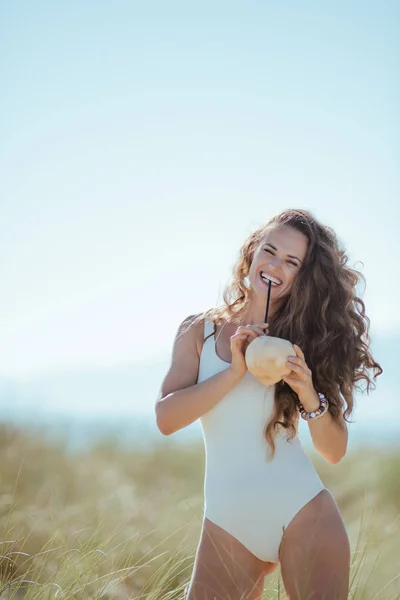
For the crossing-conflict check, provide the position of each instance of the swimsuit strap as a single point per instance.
(208, 327)
(220, 331)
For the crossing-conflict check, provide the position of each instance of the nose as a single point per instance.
(274, 263)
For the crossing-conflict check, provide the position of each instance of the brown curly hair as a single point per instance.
(323, 315)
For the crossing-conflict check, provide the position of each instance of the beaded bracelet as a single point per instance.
(319, 412)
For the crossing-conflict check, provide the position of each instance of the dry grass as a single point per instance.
(114, 523)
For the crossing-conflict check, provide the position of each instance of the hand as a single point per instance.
(300, 378)
(239, 342)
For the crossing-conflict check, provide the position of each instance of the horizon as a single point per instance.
(125, 395)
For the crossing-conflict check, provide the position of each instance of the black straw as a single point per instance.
(269, 293)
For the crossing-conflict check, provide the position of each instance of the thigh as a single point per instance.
(224, 568)
(315, 552)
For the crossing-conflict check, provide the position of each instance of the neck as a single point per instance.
(255, 311)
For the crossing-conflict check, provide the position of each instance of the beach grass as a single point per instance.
(120, 523)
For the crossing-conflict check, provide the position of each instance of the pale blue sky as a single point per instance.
(141, 142)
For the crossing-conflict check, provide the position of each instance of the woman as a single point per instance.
(264, 501)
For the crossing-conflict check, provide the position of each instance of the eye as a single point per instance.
(290, 262)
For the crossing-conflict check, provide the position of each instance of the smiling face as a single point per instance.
(278, 257)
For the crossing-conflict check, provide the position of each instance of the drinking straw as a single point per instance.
(269, 293)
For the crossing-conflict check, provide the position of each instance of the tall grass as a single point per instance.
(118, 523)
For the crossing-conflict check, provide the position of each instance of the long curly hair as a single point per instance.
(323, 314)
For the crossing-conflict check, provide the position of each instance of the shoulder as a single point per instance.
(191, 323)
(191, 329)
(194, 327)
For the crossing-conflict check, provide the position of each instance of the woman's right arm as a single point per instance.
(182, 401)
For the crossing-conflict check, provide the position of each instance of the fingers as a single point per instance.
(260, 328)
(296, 368)
(295, 362)
(245, 336)
(298, 351)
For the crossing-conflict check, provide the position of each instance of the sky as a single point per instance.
(141, 143)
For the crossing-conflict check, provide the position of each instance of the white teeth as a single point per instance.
(267, 277)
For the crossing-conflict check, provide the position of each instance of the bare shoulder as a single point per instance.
(184, 368)
(190, 332)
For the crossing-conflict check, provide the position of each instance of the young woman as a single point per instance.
(264, 502)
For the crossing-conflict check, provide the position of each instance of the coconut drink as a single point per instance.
(266, 356)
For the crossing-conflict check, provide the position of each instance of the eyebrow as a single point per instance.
(290, 255)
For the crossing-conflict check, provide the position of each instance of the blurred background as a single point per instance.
(140, 144)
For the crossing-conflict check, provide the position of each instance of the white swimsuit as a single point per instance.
(251, 498)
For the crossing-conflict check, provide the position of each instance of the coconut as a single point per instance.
(266, 358)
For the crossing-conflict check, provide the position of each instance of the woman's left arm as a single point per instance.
(329, 438)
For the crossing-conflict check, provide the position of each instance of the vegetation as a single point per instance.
(119, 523)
